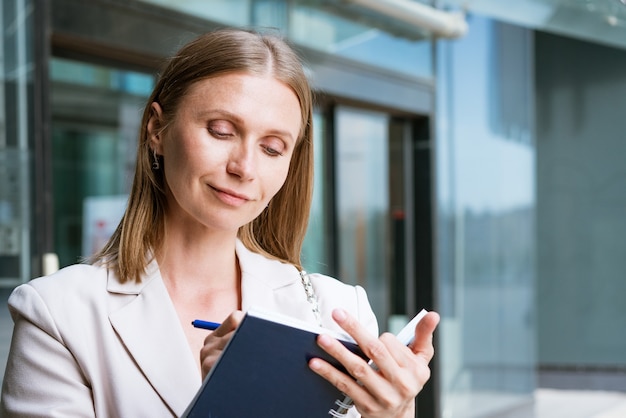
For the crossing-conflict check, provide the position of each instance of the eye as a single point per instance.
(273, 147)
(271, 151)
(220, 129)
(219, 134)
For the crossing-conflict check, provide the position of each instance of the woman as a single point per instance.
(214, 224)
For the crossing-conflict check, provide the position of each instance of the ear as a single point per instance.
(154, 127)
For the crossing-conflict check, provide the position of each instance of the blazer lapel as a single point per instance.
(149, 328)
(272, 286)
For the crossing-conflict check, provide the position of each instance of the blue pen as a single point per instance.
(198, 323)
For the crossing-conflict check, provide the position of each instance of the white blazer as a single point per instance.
(86, 345)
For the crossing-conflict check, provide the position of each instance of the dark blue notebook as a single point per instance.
(264, 372)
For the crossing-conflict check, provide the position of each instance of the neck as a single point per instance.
(203, 279)
(199, 261)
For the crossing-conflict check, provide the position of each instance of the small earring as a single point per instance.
(156, 164)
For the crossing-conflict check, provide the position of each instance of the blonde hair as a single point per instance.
(279, 231)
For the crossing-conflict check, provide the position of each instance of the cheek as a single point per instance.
(276, 179)
(192, 157)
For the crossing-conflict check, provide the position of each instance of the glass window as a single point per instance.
(230, 12)
(96, 112)
(581, 225)
(16, 138)
(599, 21)
(486, 208)
(363, 211)
(316, 251)
(347, 38)
(361, 226)
(329, 27)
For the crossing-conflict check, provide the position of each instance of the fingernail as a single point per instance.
(339, 314)
(323, 340)
(315, 364)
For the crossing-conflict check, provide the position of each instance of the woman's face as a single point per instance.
(227, 151)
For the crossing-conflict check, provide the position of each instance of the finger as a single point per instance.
(231, 322)
(401, 354)
(356, 367)
(211, 350)
(374, 348)
(208, 362)
(213, 344)
(352, 326)
(370, 381)
(368, 388)
(423, 342)
(216, 341)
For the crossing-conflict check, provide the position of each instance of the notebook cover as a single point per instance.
(264, 372)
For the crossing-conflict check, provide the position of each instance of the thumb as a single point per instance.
(423, 342)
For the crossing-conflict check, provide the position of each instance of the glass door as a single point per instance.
(96, 112)
(375, 197)
(363, 209)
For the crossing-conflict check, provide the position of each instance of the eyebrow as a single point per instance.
(206, 114)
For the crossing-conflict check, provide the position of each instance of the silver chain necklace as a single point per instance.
(311, 297)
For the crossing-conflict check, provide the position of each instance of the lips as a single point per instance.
(231, 197)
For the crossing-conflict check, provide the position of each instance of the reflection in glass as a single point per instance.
(364, 43)
(316, 249)
(486, 208)
(363, 202)
(581, 213)
(17, 132)
(325, 27)
(230, 12)
(96, 112)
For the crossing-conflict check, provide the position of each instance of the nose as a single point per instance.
(241, 162)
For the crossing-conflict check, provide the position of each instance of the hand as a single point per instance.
(215, 342)
(390, 391)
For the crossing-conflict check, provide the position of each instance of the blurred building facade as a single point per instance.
(481, 176)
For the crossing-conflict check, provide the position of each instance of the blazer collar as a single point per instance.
(151, 331)
(271, 285)
(271, 273)
(132, 287)
(268, 273)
